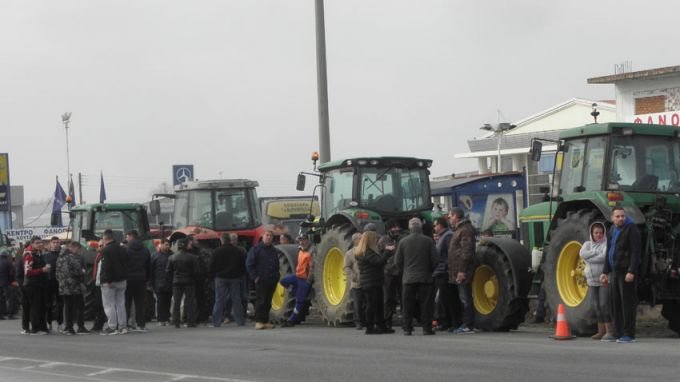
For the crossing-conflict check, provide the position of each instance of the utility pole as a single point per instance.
(322, 84)
(80, 187)
(66, 118)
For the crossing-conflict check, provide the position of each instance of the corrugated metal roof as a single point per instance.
(516, 141)
(641, 74)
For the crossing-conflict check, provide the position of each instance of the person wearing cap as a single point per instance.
(182, 269)
(299, 282)
(462, 265)
(392, 284)
(416, 258)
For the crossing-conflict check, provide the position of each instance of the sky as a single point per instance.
(230, 85)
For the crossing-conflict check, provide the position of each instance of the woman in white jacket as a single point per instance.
(594, 253)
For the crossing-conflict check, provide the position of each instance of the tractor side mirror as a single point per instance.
(536, 150)
(301, 180)
(155, 207)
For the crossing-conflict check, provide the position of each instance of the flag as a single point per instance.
(102, 190)
(71, 194)
(59, 201)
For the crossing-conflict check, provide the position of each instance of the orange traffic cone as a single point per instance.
(562, 329)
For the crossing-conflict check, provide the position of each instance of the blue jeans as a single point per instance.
(232, 288)
(300, 287)
(465, 295)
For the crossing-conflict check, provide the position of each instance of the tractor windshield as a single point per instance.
(221, 210)
(644, 164)
(120, 222)
(393, 189)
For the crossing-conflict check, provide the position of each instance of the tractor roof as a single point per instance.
(108, 207)
(405, 162)
(619, 128)
(217, 184)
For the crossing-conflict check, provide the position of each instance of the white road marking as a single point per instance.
(44, 364)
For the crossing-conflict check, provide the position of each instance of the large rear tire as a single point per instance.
(332, 287)
(565, 281)
(497, 306)
(671, 312)
(283, 302)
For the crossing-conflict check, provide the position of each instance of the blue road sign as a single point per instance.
(182, 173)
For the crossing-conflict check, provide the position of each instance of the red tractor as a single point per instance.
(208, 208)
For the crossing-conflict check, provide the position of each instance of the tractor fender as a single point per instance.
(631, 209)
(519, 258)
(290, 251)
(342, 218)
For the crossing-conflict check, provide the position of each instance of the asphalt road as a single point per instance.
(318, 353)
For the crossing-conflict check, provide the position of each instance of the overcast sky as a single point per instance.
(230, 86)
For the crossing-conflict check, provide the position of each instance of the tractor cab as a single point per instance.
(206, 209)
(354, 193)
(623, 158)
(370, 190)
(89, 221)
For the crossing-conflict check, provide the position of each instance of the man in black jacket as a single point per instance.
(183, 267)
(202, 287)
(113, 276)
(262, 263)
(416, 258)
(161, 282)
(7, 282)
(620, 272)
(54, 305)
(139, 260)
(228, 267)
(392, 284)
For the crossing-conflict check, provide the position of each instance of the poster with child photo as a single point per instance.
(499, 215)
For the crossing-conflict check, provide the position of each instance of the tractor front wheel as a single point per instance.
(565, 281)
(331, 286)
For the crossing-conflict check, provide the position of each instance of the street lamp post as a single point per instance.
(498, 132)
(66, 118)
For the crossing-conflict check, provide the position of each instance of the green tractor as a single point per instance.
(88, 223)
(355, 192)
(598, 167)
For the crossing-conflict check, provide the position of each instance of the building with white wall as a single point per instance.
(646, 96)
(516, 142)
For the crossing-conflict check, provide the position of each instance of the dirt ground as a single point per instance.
(649, 322)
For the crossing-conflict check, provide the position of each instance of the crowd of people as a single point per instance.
(430, 279)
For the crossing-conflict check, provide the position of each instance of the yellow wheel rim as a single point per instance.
(570, 275)
(485, 289)
(334, 281)
(279, 297)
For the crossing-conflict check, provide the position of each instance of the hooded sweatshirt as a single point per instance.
(594, 253)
